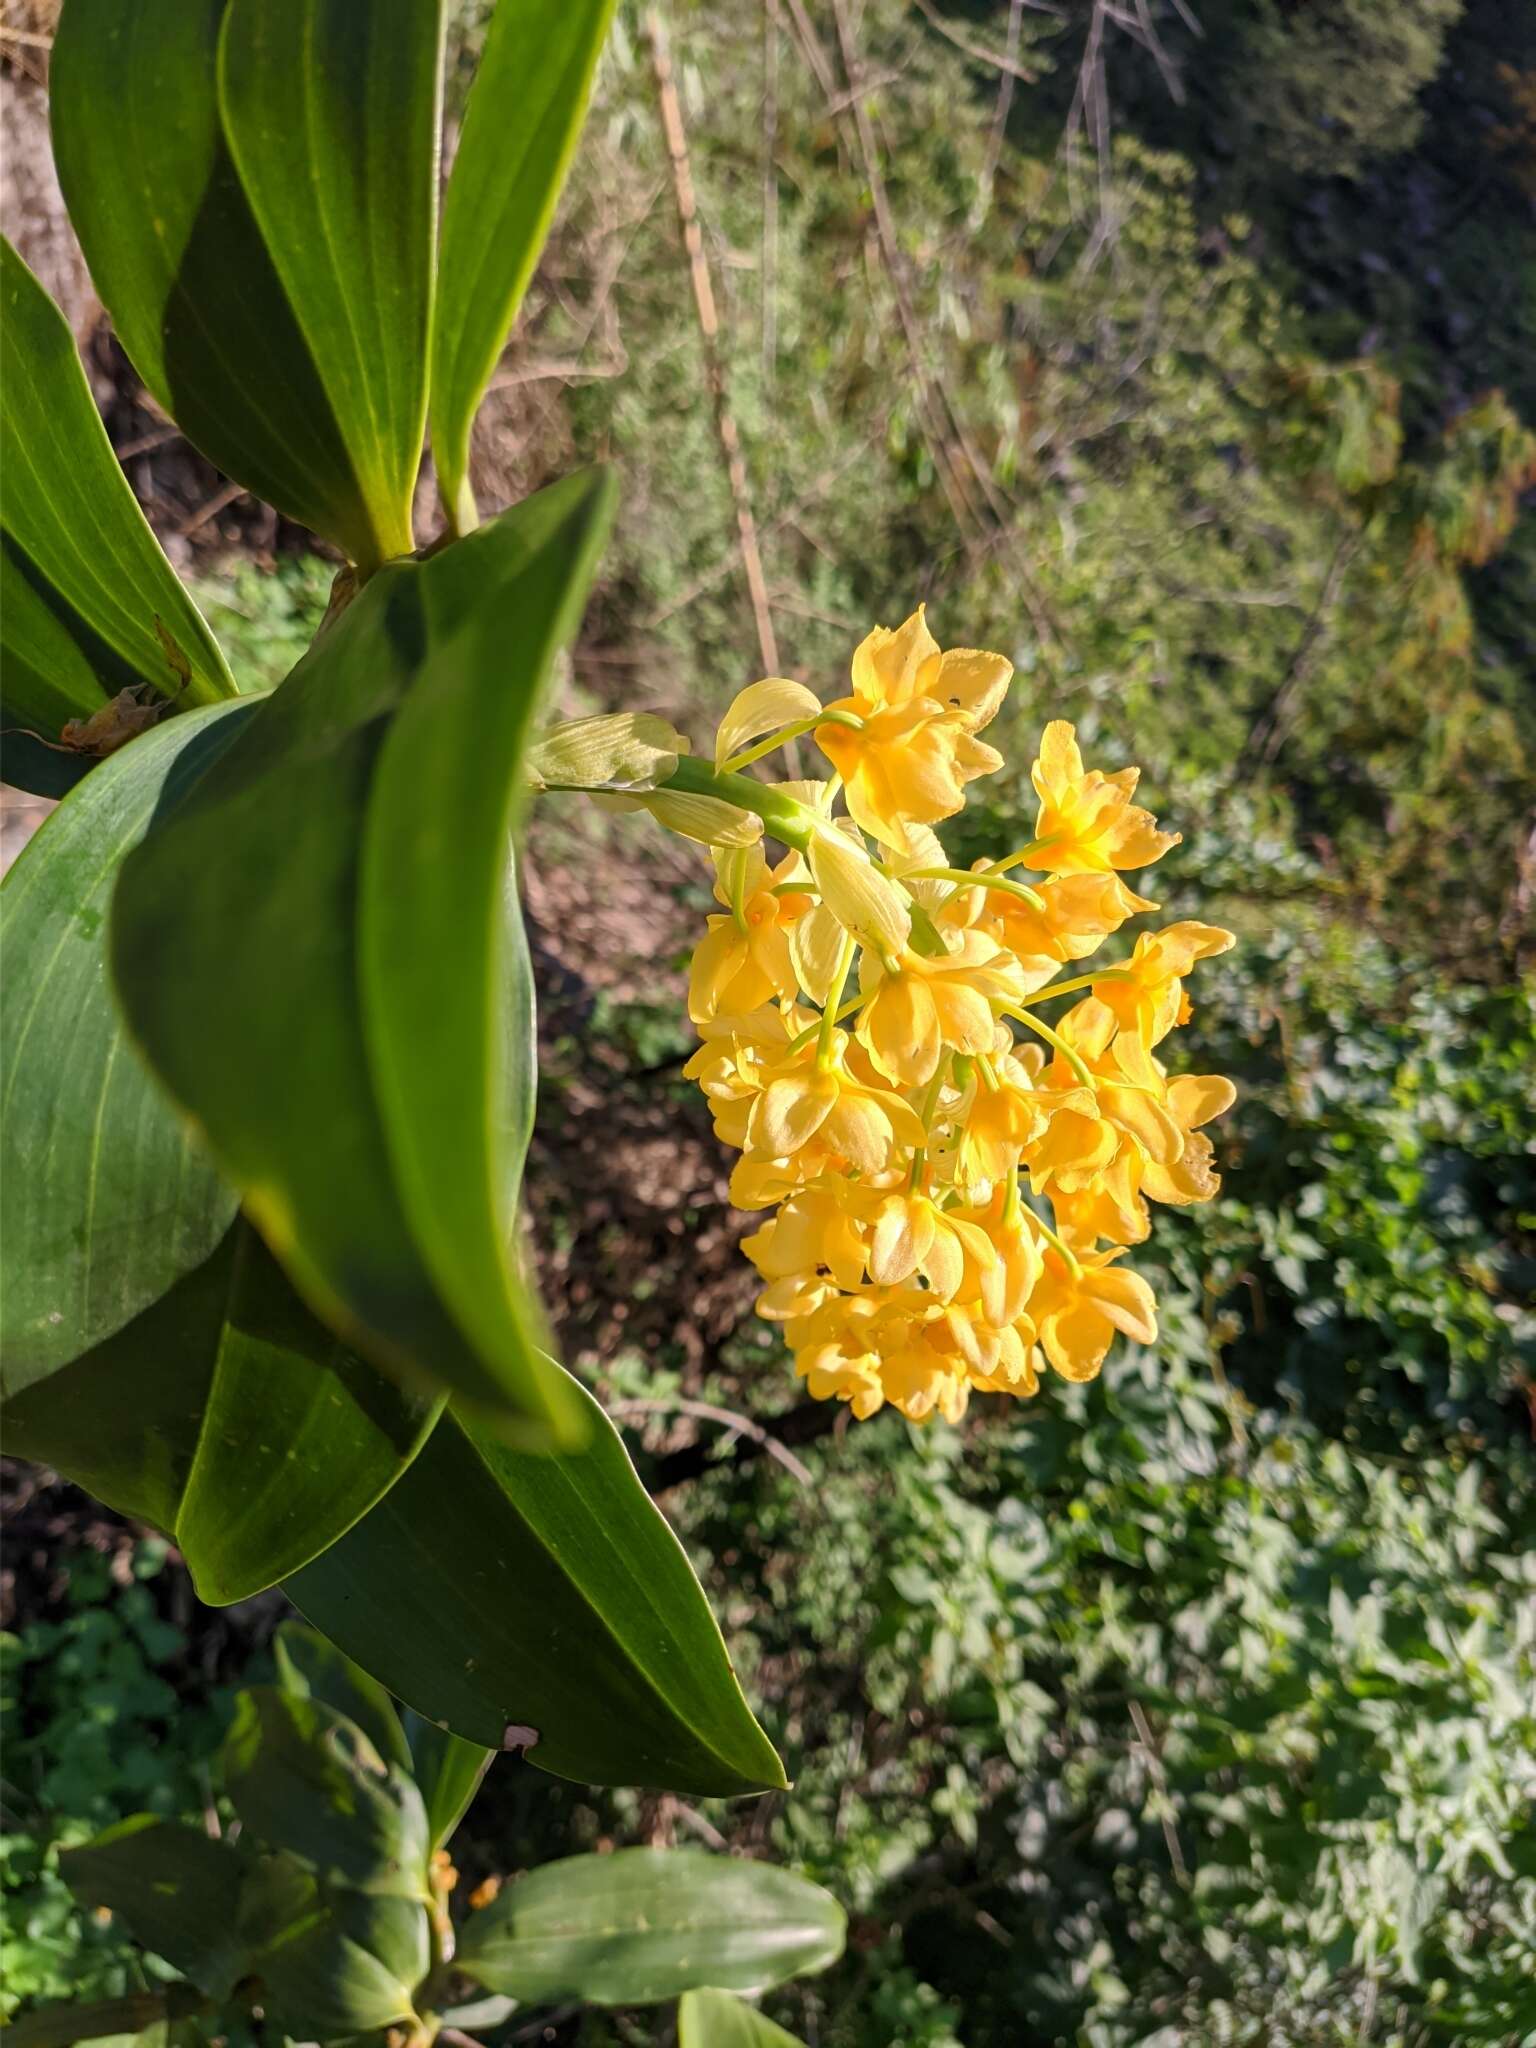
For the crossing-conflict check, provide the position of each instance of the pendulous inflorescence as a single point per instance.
(950, 1163)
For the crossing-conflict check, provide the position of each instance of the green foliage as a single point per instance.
(95, 656)
(266, 617)
(385, 1163)
(1182, 1713)
(287, 339)
(520, 127)
(532, 1550)
(644, 1925)
(1329, 86)
(714, 2019)
(97, 1726)
(54, 923)
(1196, 530)
(327, 1910)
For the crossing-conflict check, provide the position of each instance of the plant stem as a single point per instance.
(1051, 1237)
(1065, 988)
(1022, 857)
(1073, 1058)
(787, 733)
(786, 818)
(983, 878)
(828, 1025)
(803, 1038)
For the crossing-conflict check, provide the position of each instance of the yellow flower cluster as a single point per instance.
(873, 1043)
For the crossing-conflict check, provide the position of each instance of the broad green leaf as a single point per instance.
(645, 1924)
(449, 1772)
(439, 909)
(542, 1603)
(311, 1668)
(299, 1438)
(181, 263)
(331, 112)
(228, 1416)
(322, 956)
(89, 606)
(525, 111)
(108, 1198)
(306, 1779)
(332, 1961)
(174, 1888)
(716, 2019)
(125, 1420)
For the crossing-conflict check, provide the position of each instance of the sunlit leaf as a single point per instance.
(590, 1642)
(228, 1416)
(109, 1199)
(232, 326)
(285, 950)
(646, 1924)
(525, 111)
(305, 1777)
(716, 2019)
(449, 1772)
(331, 111)
(309, 1667)
(332, 1961)
(89, 606)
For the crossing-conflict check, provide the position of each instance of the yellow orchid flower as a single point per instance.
(1086, 822)
(815, 1228)
(915, 748)
(1071, 918)
(814, 1105)
(729, 1065)
(1147, 992)
(911, 1234)
(743, 960)
(1002, 1121)
(1078, 1310)
(916, 1007)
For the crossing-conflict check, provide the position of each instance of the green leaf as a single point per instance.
(449, 1772)
(306, 1779)
(589, 1639)
(182, 264)
(229, 1417)
(645, 1924)
(89, 606)
(174, 1888)
(299, 1438)
(331, 1961)
(715, 2019)
(309, 1667)
(331, 112)
(525, 111)
(282, 951)
(108, 1198)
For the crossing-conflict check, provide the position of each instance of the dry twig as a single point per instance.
(739, 1425)
(709, 332)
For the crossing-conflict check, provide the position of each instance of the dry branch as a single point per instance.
(709, 334)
